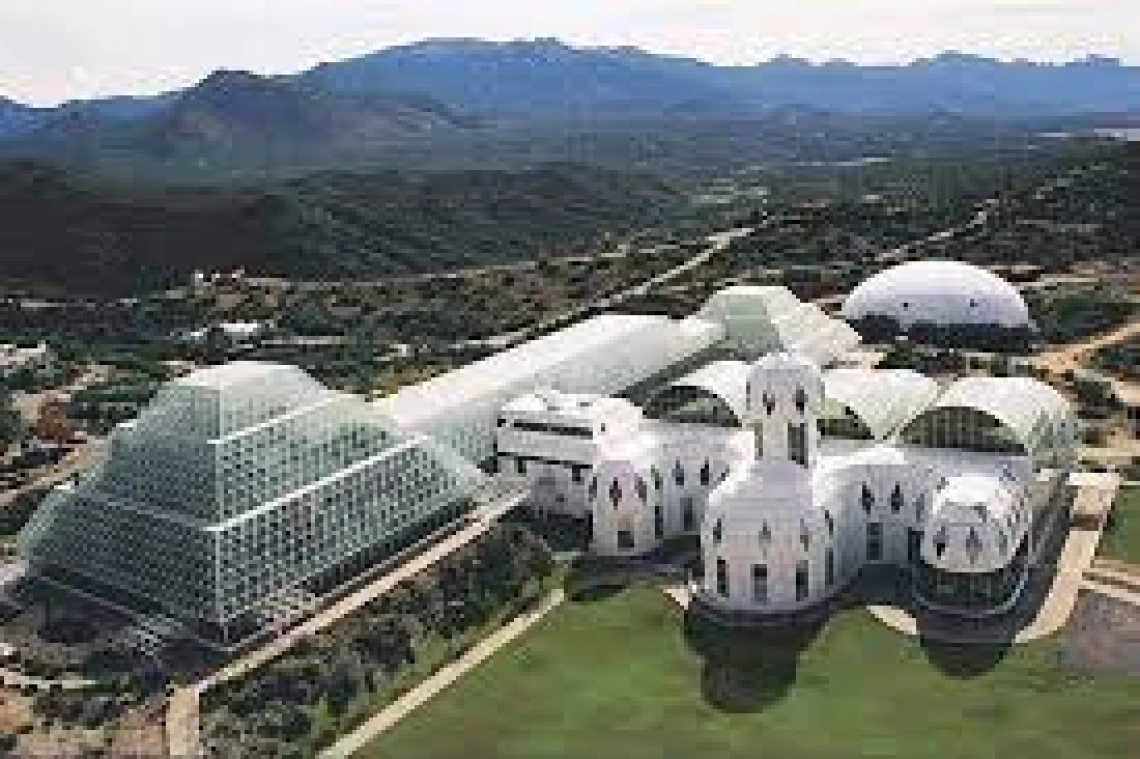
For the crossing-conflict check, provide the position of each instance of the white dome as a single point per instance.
(765, 516)
(938, 292)
(977, 524)
(776, 493)
(623, 493)
(779, 382)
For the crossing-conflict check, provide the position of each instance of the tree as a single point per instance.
(342, 687)
(11, 427)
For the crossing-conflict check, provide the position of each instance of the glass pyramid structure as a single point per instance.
(236, 485)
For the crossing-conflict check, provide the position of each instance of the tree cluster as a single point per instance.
(297, 702)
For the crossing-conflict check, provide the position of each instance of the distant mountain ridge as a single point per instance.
(235, 117)
(348, 111)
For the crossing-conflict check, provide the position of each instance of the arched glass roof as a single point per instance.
(883, 399)
(1039, 417)
(724, 381)
(605, 354)
(767, 319)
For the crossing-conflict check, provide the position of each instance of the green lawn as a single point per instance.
(620, 677)
(1121, 538)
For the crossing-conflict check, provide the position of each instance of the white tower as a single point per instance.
(767, 545)
(785, 393)
(625, 500)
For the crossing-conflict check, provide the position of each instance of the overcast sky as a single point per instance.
(51, 50)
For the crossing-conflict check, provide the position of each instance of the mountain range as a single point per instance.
(494, 100)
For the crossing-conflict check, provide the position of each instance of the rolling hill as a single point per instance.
(62, 230)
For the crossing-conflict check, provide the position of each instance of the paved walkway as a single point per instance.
(1112, 591)
(182, 727)
(10, 678)
(183, 713)
(1073, 356)
(679, 594)
(1095, 494)
(390, 715)
(1116, 579)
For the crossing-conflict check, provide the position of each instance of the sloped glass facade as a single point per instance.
(239, 483)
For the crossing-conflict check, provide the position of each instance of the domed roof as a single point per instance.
(621, 477)
(768, 506)
(777, 378)
(977, 523)
(939, 292)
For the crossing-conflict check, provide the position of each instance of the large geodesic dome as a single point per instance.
(942, 293)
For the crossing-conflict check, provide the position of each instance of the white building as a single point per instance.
(796, 477)
(235, 332)
(554, 438)
(242, 490)
(941, 293)
(613, 354)
(14, 358)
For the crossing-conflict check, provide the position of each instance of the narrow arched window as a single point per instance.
(896, 499)
(867, 500)
(642, 490)
(615, 493)
(802, 581)
(706, 474)
(801, 400)
(718, 532)
(678, 474)
(797, 443)
(973, 546)
(760, 583)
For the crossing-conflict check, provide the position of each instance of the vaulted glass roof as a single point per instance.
(766, 319)
(883, 399)
(1038, 416)
(605, 354)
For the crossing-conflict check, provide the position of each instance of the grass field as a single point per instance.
(1121, 538)
(625, 677)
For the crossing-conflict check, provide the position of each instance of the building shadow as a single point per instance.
(956, 646)
(962, 647)
(964, 660)
(589, 579)
(750, 667)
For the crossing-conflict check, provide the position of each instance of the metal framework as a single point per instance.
(714, 394)
(236, 485)
(604, 355)
(759, 320)
(881, 400)
(1014, 414)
